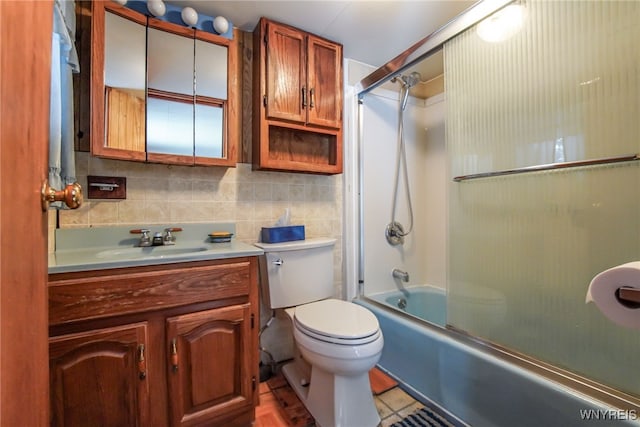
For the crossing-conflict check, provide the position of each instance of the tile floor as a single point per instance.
(394, 405)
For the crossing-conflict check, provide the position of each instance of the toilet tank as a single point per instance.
(298, 272)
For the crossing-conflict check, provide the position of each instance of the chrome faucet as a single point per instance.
(169, 238)
(145, 239)
(158, 238)
(399, 274)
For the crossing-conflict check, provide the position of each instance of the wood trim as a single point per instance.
(82, 81)
(245, 88)
(215, 38)
(123, 11)
(171, 28)
(25, 76)
(318, 130)
(170, 96)
(170, 159)
(232, 116)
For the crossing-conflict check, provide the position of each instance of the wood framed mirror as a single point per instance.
(161, 92)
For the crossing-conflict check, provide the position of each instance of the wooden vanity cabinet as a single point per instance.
(168, 345)
(297, 100)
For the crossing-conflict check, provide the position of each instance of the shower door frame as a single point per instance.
(354, 223)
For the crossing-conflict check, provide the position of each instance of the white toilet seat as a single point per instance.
(337, 322)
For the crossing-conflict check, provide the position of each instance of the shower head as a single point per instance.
(407, 83)
(412, 79)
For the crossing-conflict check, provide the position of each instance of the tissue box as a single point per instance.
(282, 234)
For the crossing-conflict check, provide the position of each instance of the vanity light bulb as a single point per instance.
(189, 16)
(220, 24)
(156, 7)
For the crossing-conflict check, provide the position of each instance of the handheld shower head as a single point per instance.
(412, 79)
(407, 82)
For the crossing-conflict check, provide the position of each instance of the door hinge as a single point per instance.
(264, 100)
(266, 39)
(253, 317)
(253, 383)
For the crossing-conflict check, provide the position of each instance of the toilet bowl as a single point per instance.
(336, 342)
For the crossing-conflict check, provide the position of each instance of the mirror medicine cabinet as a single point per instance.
(160, 92)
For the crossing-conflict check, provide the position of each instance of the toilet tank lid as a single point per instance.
(296, 244)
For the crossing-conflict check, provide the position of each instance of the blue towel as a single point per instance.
(64, 62)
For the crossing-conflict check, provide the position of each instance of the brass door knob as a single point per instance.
(71, 195)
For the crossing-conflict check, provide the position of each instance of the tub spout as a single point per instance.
(399, 274)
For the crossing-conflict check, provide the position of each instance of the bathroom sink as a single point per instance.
(149, 252)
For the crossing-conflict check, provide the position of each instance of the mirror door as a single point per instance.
(118, 66)
(170, 94)
(161, 92)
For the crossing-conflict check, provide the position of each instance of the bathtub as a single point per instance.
(424, 302)
(477, 387)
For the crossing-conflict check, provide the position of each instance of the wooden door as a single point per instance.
(325, 83)
(99, 378)
(210, 372)
(25, 52)
(286, 74)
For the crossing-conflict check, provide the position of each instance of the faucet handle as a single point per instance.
(145, 239)
(142, 231)
(170, 239)
(172, 229)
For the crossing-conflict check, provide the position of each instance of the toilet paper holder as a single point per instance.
(629, 295)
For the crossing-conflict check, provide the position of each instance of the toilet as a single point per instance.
(336, 342)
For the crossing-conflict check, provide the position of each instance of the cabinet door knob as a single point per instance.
(142, 363)
(312, 97)
(174, 355)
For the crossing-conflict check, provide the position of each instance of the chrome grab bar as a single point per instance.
(550, 166)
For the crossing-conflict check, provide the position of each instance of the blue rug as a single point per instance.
(424, 417)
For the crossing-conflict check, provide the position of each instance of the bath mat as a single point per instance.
(424, 417)
(380, 382)
(292, 408)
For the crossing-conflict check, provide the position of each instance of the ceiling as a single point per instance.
(372, 32)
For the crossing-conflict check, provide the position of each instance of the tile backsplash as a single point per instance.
(164, 194)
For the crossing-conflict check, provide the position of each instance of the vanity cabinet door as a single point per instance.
(98, 377)
(210, 376)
